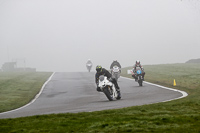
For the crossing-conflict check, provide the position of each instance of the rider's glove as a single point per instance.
(98, 89)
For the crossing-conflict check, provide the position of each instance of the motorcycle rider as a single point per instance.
(115, 63)
(137, 64)
(103, 71)
(89, 62)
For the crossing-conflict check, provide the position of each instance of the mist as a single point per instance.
(61, 35)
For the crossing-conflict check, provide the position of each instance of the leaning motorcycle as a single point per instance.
(115, 71)
(89, 66)
(108, 88)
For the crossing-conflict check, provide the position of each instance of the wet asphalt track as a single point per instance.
(76, 92)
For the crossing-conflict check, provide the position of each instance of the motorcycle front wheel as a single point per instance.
(140, 81)
(108, 94)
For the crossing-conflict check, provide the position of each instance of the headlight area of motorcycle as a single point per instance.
(103, 85)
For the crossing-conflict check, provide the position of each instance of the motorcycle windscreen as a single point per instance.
(101, 78)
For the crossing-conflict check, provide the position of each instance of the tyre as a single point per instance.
(140, 81)
(108, 94)
(116, 78)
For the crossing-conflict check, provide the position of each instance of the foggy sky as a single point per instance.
(61, 35)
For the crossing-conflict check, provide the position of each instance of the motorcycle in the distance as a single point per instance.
(138, 76)
(108, 88)
(115, 71)
(89, 66)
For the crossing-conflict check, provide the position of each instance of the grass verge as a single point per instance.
(19, 88)
(180, 115)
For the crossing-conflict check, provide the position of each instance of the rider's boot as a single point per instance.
(118, 93)
(143, 75)
(143, 78)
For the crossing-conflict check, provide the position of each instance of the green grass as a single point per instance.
(182, 115)
(19, 88)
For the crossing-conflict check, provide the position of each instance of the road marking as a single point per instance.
(184, 94)
(33, 99)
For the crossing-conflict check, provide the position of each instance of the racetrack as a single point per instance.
(76, 92)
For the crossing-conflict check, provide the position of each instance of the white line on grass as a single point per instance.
(184, 94)
(34, 98)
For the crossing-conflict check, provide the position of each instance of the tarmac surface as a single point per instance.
(76, 92)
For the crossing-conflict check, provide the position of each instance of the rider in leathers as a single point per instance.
(89, 62)
(103, 71)
(89, 65)
(137, 64)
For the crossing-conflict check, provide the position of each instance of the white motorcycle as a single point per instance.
(108, 88)
(115, 71)
(89, 66)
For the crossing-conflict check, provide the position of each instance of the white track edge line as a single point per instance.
(184, 94)
(32, 101)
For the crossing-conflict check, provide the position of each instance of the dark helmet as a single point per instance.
(99, 68)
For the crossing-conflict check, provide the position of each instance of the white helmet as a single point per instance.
(137, 62)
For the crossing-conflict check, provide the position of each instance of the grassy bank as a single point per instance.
(19, 88)
(180, 115)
